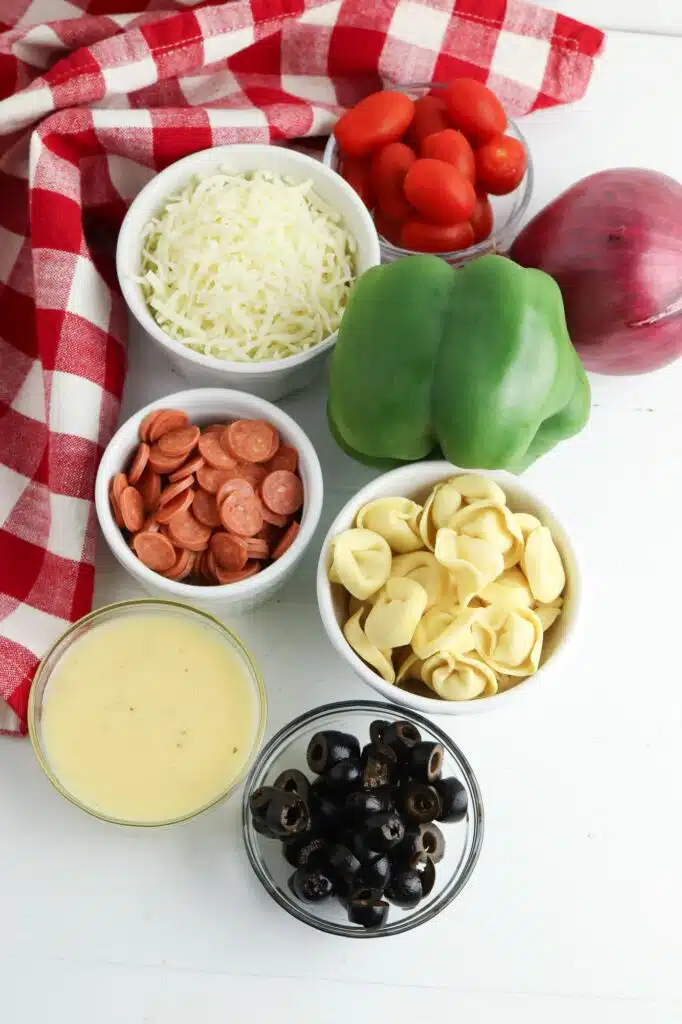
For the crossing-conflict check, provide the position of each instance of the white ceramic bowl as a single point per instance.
(274, 378)
(203, 406)
(415, 481)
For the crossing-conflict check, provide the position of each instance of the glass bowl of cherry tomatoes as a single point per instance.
(441, 168)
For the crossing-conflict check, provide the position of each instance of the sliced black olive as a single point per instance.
(263, 829)
(405, 888)
(287, 814)
(427, 874)
(306, 851)
(311, 886)
(376, 873)
(368, 913)
(453, 799)
(379, 766)
(401, 737)
(410, 850)
(294, 782)
(433, 842)
(326, 815)
(422, 803)
(383, 830)
(377, 728)
(360, 892)
(361, 803)
(426, 762)
(344, 774)
(344, 863)
(259, 801)
(327, 748)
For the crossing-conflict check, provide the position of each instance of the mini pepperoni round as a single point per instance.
(210, 565)
(236, 483)
(230, 552)
(214, 428)
(286, 457)
(182, 566)
(179, 442)
(118, 486)
(186, 531)
(178, 503)
(251, 440)
(116, 511)
(273, 518)
(192, 465)
(257, 547)
(254, 472)
(282, 492)
(286, 541)
(140, 459)
(240, 514)
(154, 550)
(146, 424)
(211, 449)
(224, 576)
(149, 486)
(205, 508)
(162, 463)
(132, 509)
(169, 419)
(170, 491)
(210, 479)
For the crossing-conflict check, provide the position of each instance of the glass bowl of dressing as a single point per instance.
(146, 713)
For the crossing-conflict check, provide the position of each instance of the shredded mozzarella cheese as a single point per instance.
(247, 266)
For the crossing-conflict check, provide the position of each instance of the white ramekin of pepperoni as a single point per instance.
(209, 496)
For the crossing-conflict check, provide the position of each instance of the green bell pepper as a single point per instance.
(475, 361)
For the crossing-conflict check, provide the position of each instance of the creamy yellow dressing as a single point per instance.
(148, 718)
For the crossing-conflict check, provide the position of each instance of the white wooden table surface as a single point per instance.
(574, 911)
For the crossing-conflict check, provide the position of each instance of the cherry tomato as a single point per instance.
(439, 191)
(358, 174)
(389, 167)
(375, 121)
(452, 147)
(430, 116)
(475, 110)
(500, 165)
(421, 236)
(387, 228)
(481, 219)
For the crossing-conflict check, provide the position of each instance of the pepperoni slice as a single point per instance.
(211, 449)
(154, 550)
(161, 463)
(286, 541)
(257, 547)
(205, 508)
(214, 428)
(116, 511)
(169, 419)
(146, 424)
(252, 472)
(132, 509)
(250, 569)
(187, 468)
(210, 479)
(251, 440)
(182, 566)
(171, 490)
(210, 565)
(186, 531)
(235, 483)
(180, 502)
(282, 492)
(230, 552)
(149, 486)
(286, 457)
(240, 514)
(118, 486)
(140, 459)
(179, 442)
(273, 518)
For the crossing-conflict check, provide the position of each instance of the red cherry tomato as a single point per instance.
(358, 174)
(500, 165)
(389, 167)
(439, 191)
(420, 236)
(481, 219)
(387, 228)
(375, 121)
(452, 147)
(430, 116)
(475, 110)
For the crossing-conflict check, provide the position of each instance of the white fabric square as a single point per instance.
(75, 405)
(315, 88)
(89, 297)
(419, 25)
(327, 14)
(33, 629)
(242, 117)
(522, 58)
(225, 44)
(128, 176)
(30, 399)
(128, 77)
(12, 486)
(68, 526)
(53, 10)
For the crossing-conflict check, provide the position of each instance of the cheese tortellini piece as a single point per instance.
(456, 594)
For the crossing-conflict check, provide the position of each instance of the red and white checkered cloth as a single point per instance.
(92, 103)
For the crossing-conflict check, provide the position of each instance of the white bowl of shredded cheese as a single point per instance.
(238, 261)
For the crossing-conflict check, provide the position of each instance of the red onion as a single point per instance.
(613, 243)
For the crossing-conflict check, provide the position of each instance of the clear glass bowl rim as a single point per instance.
(480, 248)
(456, 882)
(150, 603)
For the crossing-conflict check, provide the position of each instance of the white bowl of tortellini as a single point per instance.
(448, 591)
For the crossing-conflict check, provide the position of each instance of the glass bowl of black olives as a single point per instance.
(361, 823)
